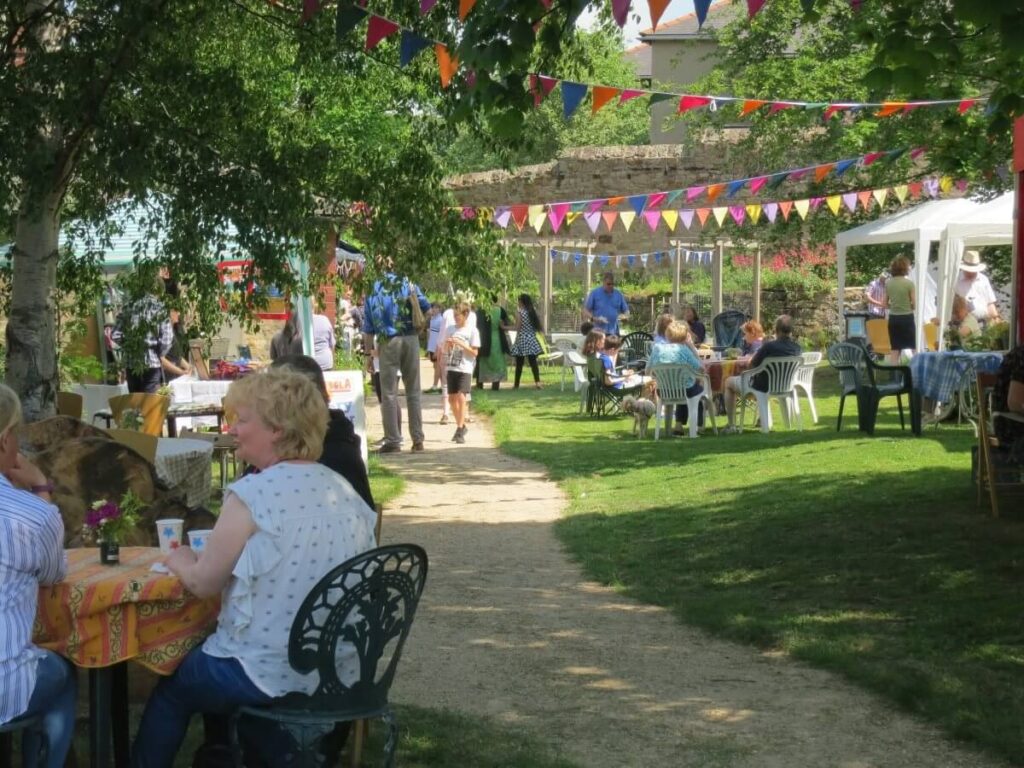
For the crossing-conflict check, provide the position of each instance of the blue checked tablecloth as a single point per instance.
(937, 375)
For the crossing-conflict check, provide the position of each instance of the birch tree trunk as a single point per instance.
(31, 328)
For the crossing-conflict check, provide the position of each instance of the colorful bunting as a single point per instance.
(656, 8)
(771, 210)
(687, 103)
(620, 10)
(802, 207)
(753, 6)
(700, 7)
(572, 95)
(687, 217)
(720, 214)
(411, 45)
(785, 206)
(756, 184)
(628, 94)
(653, 218)
(702, 215)
(834, 201)
(593, 220)
(880, 195)
(850, 201)
(556, 214)
(637, 203)
(671, 218)
(378, 29)
(601, 95)
(347, 19)
(900, 190)
(465, 6)
(426, 5)
(627, 217)
(541, 86)
(610, 218)
(714, 191)
(754, 212)
(738, 213)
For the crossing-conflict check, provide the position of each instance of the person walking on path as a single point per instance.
(491, 367)
(605, 305)
(527, 346)
(388, 317)
(461, 347)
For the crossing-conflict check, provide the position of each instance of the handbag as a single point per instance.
(419, 322)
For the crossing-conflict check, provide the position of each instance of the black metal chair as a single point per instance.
(603, 399)
(636, 349)
(728, 329)
(18, 725)
(356, 619)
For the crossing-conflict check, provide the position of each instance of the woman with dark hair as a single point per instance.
(492, 322)
(528, 325)
(697, 331)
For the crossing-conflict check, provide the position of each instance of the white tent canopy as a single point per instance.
(988, 224)
(921, 225)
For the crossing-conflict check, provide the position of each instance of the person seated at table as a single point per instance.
(753, 338)
(593, 343)
(32, 681)
(1008, 397)
(781, 346)
(660, 326)
(609, 355)
(342, 446)
(676, 350)
(279, 532)
(698, 333)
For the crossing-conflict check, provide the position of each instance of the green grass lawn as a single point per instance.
(862, 555)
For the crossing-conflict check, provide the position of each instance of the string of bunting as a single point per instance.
(574, 93)
(604, 259)
(538, 216)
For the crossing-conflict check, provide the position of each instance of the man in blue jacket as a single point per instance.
(388, 317)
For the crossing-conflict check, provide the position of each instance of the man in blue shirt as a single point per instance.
(605, 305)
(388, 317)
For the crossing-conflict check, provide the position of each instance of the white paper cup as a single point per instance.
(197, 540)
(169, 534)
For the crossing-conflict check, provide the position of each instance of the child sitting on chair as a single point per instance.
(609, 357)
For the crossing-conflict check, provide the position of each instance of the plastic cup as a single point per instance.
(169, 533)
(197, 540)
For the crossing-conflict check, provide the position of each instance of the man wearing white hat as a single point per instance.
(976, 289)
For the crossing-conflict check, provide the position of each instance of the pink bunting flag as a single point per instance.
(688, 102)
(965, 105)
(426, 5)
(686, 215)
(797, 175)
(777, 107)
(656, 199)
(756, 184)
(693, 193)
(546, 4)
(850, 201)
(593, 219)
(962, 185)
(628, 94)
(652, 217)
(541, 86)
(816, 202)
(738, 213)
(916, 152)
(620, 10)
(597, 205)
(771, 210)
(871, 157)
(310, 8)
(556, 215)
(378, 29)
(609, 218)
(753, 6)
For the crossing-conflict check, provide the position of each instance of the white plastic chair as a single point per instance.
(781, 373)
(805, 379)
(564, 346)
(671, 391)
(578, 363)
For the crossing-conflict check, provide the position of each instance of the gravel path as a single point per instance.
(510, 629)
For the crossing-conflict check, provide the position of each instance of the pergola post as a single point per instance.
(675, 274)
(546, 287)
(716, 278)
(757, 284)
(590, 258)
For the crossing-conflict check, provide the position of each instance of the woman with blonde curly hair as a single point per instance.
(278, 533)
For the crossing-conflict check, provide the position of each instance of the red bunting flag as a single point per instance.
(751, 105)
(601, 95)
(688, 102)
(753, 6)
(965, 105)
(778, 106)
(655, 199)
(541, 86)
(310, 8)
(465, 6)
(447, 64)
(915, 188)
(377, 30)
(656, 8)
(629, 93)
(871, 157)
(833, 109)
(519, 214)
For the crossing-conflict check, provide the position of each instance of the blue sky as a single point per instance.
(632, 28)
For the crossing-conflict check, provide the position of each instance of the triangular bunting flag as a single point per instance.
(631, 260)
(734, 187)
(915, 188)
(700, 7)
(738, 213)
(931, 187)
(310, 8)
(637, 203)
(816, 203)
(556, 215)
(593, 220)
(844, 165)
(628, 94)
(834, 201)
(776, 180)
(965, 105)
(778, 106)
(753, 6)
(577, 259)
(656, 8)
(946, 184)
(693, 193)
(880, 195)
(714, 191)
(864, 198)
(687, 216)
(822, 171)
(670, 217)
(962, 184)
(601, 95)
(659, 97)
(833, 109)
(652, 217)
(596, 205)
(802, 207)
(771, 210)
(754, 212)
(502, 216)
(798, 174)
(900, 190)
(465, 6)
(541, 86)
(519, 215)
(688, 102)
(655, 199)
(785, 206)
(377, 30)
(671, 198)
(613, 201)
(426, 5)
(411, 45)
(572, 95)
(609, 218)
(620, 10)
(702, 215)
(871, 157)
(447, 64)
(537, 222)
(626, 217)
(890, 108)
(604, 259)
(850, 201)
(751, 105)
(916, 152)
(894, 154)
(720, 213)
(348, 17)
(756, 184)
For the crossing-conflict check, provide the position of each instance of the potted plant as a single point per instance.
(107, 523)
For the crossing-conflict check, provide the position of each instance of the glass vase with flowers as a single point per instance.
(108, 522)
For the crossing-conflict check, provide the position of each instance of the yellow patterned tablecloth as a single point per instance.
(101, 614)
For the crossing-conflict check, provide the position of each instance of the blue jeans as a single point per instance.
(54, 699)
(202, 683)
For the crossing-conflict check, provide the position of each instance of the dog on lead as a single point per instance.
(641, 409)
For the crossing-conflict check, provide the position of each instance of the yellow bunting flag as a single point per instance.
(880, 195)
(900, 190)
(465, 6)
(671, 218)
(720, 214)
(626, 217)
(946, 184)
(447, 64)
(802, 207)
(833, 202)
(570, 218)
(601, 95)
(537, 217)
(754, 212)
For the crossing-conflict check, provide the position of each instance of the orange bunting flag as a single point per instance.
(465, 6)
(656, 8)
(823, 170)
(751, 105)
(714, 191)
(447, 64)
(702, 214)
(609, 218)
(519, 215)
(613, 201)
(601, 95)
(890, 108)
(865, 199)
(785, 206)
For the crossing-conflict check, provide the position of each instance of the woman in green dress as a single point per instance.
(492, 322)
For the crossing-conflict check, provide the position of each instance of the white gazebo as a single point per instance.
(921, 225)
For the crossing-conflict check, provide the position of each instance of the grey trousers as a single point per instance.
(400, 353)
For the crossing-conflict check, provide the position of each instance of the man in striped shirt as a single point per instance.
(32, 681)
